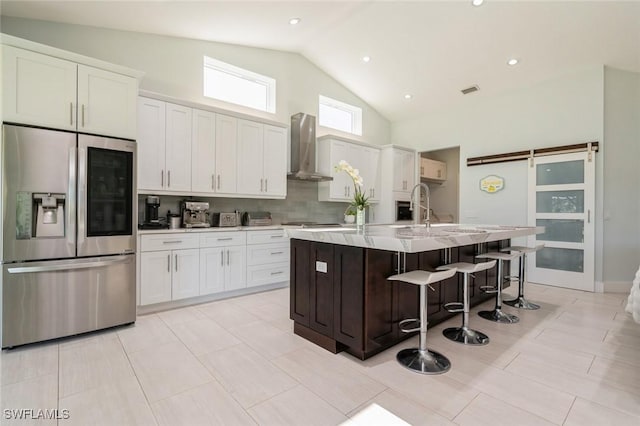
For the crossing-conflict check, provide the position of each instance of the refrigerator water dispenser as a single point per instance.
(49, 215)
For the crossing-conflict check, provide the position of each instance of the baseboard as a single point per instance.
(615, 286)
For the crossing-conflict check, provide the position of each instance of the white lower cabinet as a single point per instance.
(180, 265)
(169, 267)
(155, 277)
(222, 261)
(267, 261)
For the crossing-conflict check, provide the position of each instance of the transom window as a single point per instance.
(238, 86)
(340, 115)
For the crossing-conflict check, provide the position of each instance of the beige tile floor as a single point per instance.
(236, 362)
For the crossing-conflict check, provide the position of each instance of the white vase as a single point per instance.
(360, 216)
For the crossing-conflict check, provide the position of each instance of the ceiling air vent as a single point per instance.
(470, 90)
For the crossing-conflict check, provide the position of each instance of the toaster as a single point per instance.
(224, 219)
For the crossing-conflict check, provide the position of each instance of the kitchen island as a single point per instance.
(341, 298)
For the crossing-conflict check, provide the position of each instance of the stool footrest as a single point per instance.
(454, 307)
(403, 323)
(488, 289)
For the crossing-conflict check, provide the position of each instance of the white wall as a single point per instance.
(622, 175)
(566, 110)
(173, 67)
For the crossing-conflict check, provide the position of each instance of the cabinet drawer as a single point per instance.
(169, 242)
(263, 237)
(267, 274)
(223, 239)
(260, 254)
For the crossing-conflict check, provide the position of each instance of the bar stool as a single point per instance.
(421, 359)
(497, 315)
(520, 301)
(464, 334)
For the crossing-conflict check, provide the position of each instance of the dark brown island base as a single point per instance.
(341, 299)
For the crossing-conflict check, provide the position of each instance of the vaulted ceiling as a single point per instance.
(427, 49)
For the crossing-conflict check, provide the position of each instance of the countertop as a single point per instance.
(212, 229)
(413, 238)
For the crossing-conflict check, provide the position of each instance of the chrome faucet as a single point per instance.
(416, 216)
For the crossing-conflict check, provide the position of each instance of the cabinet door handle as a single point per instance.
(82, 115)
(218, 181)
(176, 263)
(169, 179)
(213, 182)
(421, 170)
(168, 263)
(266, 185)
(261, 184)
(276, 273)
(71, 113)
(273, 253)
(162, 178)
(228, 256)
(172, 242)
(225, 239)
(221, 258)
(277, 236)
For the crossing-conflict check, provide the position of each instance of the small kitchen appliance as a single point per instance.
(256, 219)
(195, 214)
(225, 219)
(151, 219)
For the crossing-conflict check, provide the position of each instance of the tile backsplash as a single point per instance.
(301, 204)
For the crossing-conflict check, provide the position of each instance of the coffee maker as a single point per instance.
(151, 220)
(195, 214)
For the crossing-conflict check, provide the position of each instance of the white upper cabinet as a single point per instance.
(250, 157)
(226, 154)
(203, 151)
(106, 102)
(46, 91)
(275, 161)
(164, 146)
(433, 170)
(213, 156)
(371, 173)
(38, 89)
(262, 161)
(361, 157)
(151, 144)
(178, 147)
(403, 170)
(186, 150)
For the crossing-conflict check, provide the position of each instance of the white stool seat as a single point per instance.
(498, 255)
(523, 249)
(419, 277)
(468, 268)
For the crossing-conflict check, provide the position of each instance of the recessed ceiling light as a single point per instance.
(294, 21)
(512, 61)
(477, 2)
(408, 96)
(366, 58)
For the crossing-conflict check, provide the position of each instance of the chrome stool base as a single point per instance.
(425, 362)
(522, 303)
(498, 316)
(466, 336)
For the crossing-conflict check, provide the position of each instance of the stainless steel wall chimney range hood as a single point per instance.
(303, 149)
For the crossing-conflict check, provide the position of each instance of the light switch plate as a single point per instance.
(321, 267)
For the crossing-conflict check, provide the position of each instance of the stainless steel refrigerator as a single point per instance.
(68, 233)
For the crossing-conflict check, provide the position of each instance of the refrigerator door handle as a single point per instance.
(82, 196)
(43, 267)
(71, 202)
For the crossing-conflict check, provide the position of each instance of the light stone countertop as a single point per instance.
(211, 229)
(413, 238)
